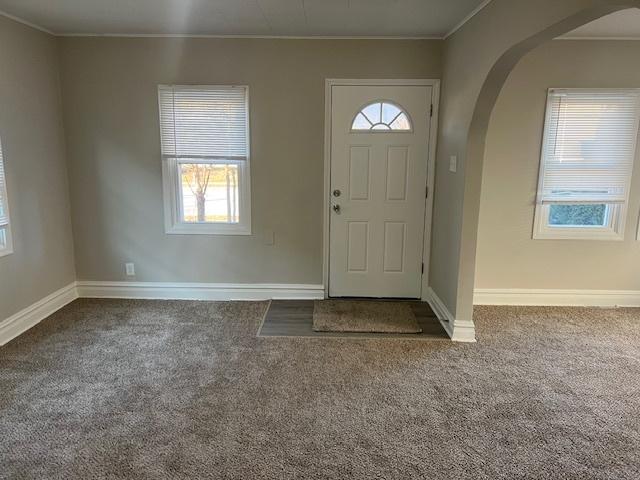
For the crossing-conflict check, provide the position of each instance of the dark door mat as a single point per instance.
(294, 318)
(364, 316)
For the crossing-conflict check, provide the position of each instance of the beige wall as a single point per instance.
(33, 146)
(111, 121)
(507, 256)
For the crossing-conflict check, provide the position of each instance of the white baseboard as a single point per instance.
(22, 321)
(199, 291)
(458, 330)
(549, 297)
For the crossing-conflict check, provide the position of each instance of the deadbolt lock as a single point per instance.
(337, 193)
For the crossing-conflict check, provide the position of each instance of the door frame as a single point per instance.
(431, 163)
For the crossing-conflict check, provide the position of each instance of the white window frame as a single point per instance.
(616, 214)
(6, 247)
(174, 225)
(612, 230)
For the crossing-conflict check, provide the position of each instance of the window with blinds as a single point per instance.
(204, 134)
(5, 232)
(587, 159)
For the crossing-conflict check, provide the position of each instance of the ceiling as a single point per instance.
(622, 24)
(353, 18)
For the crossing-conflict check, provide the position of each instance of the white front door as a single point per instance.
(379, 158)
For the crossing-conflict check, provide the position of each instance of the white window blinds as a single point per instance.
(209, 122)
(4, 214)
(589, 146)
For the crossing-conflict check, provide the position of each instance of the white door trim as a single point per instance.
(433, 137)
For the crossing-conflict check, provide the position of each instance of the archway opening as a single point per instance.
(569, 104)
(474, 147)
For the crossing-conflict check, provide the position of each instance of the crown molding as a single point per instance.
(457, 27)
(600, 39)
(26, 22)
(475, 11)
(186, 35)
(278, 37)
(263, 37)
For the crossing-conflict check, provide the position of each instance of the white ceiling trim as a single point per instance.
(476, 11)
(26, 22)
(284, 37)
(180, 35)
(599, 39)
(274, 37)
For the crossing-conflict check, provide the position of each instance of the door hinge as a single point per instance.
(422, 270)
(431, 111)
(426, 195)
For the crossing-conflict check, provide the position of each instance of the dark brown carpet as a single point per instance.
(146, 389)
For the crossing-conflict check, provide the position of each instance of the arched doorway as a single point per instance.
(471, 87)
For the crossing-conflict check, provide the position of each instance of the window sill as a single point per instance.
(201, 229)
(579, 234)
(5, 251)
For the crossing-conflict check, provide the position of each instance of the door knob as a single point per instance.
(336, 208)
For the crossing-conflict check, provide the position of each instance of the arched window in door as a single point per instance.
(381, 116)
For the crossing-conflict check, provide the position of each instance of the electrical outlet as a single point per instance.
(130, 269)
(453, 163)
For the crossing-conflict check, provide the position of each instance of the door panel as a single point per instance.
(397, 170)
(376, 235)
(359, 173)
(394, 243)
(357, 247)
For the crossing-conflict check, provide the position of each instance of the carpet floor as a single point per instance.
(154, 390)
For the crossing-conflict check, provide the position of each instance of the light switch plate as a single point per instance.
(453, 163)
(269, 237)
